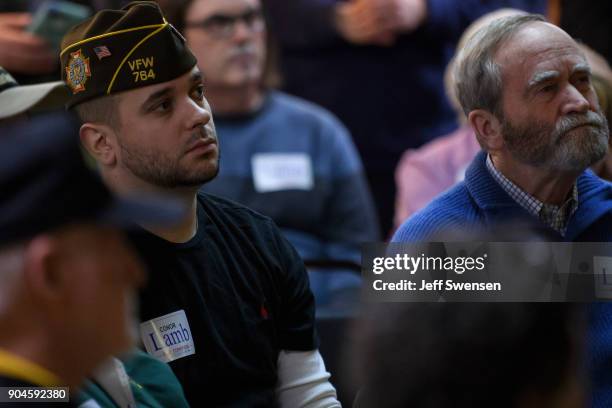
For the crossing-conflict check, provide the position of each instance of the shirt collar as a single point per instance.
(554, 216)
(17, 367)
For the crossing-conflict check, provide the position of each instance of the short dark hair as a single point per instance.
(103, 109)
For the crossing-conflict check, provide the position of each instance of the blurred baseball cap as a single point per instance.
(45, 183)
(16, 99)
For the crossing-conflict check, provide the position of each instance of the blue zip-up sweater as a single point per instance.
(480, 204)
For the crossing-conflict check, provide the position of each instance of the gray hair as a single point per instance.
(478, 79)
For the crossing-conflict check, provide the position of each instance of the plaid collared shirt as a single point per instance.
(554, 216)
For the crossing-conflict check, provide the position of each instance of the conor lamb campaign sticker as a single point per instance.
(168, 337)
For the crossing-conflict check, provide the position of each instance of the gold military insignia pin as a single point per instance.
(77, 71)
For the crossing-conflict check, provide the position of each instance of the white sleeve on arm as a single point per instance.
(303, 381)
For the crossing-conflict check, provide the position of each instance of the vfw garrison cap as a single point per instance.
(119, 50)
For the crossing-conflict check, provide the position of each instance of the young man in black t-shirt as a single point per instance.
(228, 304)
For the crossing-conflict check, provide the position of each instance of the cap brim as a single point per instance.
(144, 210)
(37, 97)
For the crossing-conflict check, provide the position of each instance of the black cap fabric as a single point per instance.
(119, 50)
(45, 183)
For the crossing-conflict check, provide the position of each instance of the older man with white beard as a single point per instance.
(526, 90)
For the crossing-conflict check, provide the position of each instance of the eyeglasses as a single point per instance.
(224, 26)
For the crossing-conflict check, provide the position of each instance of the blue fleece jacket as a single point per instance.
(480, 204)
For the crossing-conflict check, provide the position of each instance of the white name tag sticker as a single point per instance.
(282, 171)
(168, 337)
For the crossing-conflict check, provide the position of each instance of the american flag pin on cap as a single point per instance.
(102, 51)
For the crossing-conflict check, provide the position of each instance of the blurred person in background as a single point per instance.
(282, 156)
(379, 66)
(30, 58)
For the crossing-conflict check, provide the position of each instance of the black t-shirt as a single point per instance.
(245, 295)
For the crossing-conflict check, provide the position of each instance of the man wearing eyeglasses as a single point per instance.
(282, 156)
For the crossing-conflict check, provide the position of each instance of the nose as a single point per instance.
(200, 115)
(575, 101)
(242, 31)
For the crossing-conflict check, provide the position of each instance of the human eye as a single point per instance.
(163, 106)
(548, 88)
(219, 23)
(198, 93)
(584, 80)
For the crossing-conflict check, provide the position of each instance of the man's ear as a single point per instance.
(100, 142)
(43, 278)
(488, 129)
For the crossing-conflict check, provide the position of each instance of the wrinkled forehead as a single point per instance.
(538, 47)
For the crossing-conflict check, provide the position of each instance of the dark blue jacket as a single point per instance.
(479, 203)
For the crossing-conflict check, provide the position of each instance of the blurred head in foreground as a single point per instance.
(470, 355)
(67, 276)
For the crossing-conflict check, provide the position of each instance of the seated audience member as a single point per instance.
(227, 304)
(470, 355)
(525, 87)
(282, 156)
(66, 271)
(425, 172)
(428, 171)
(150, 382)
